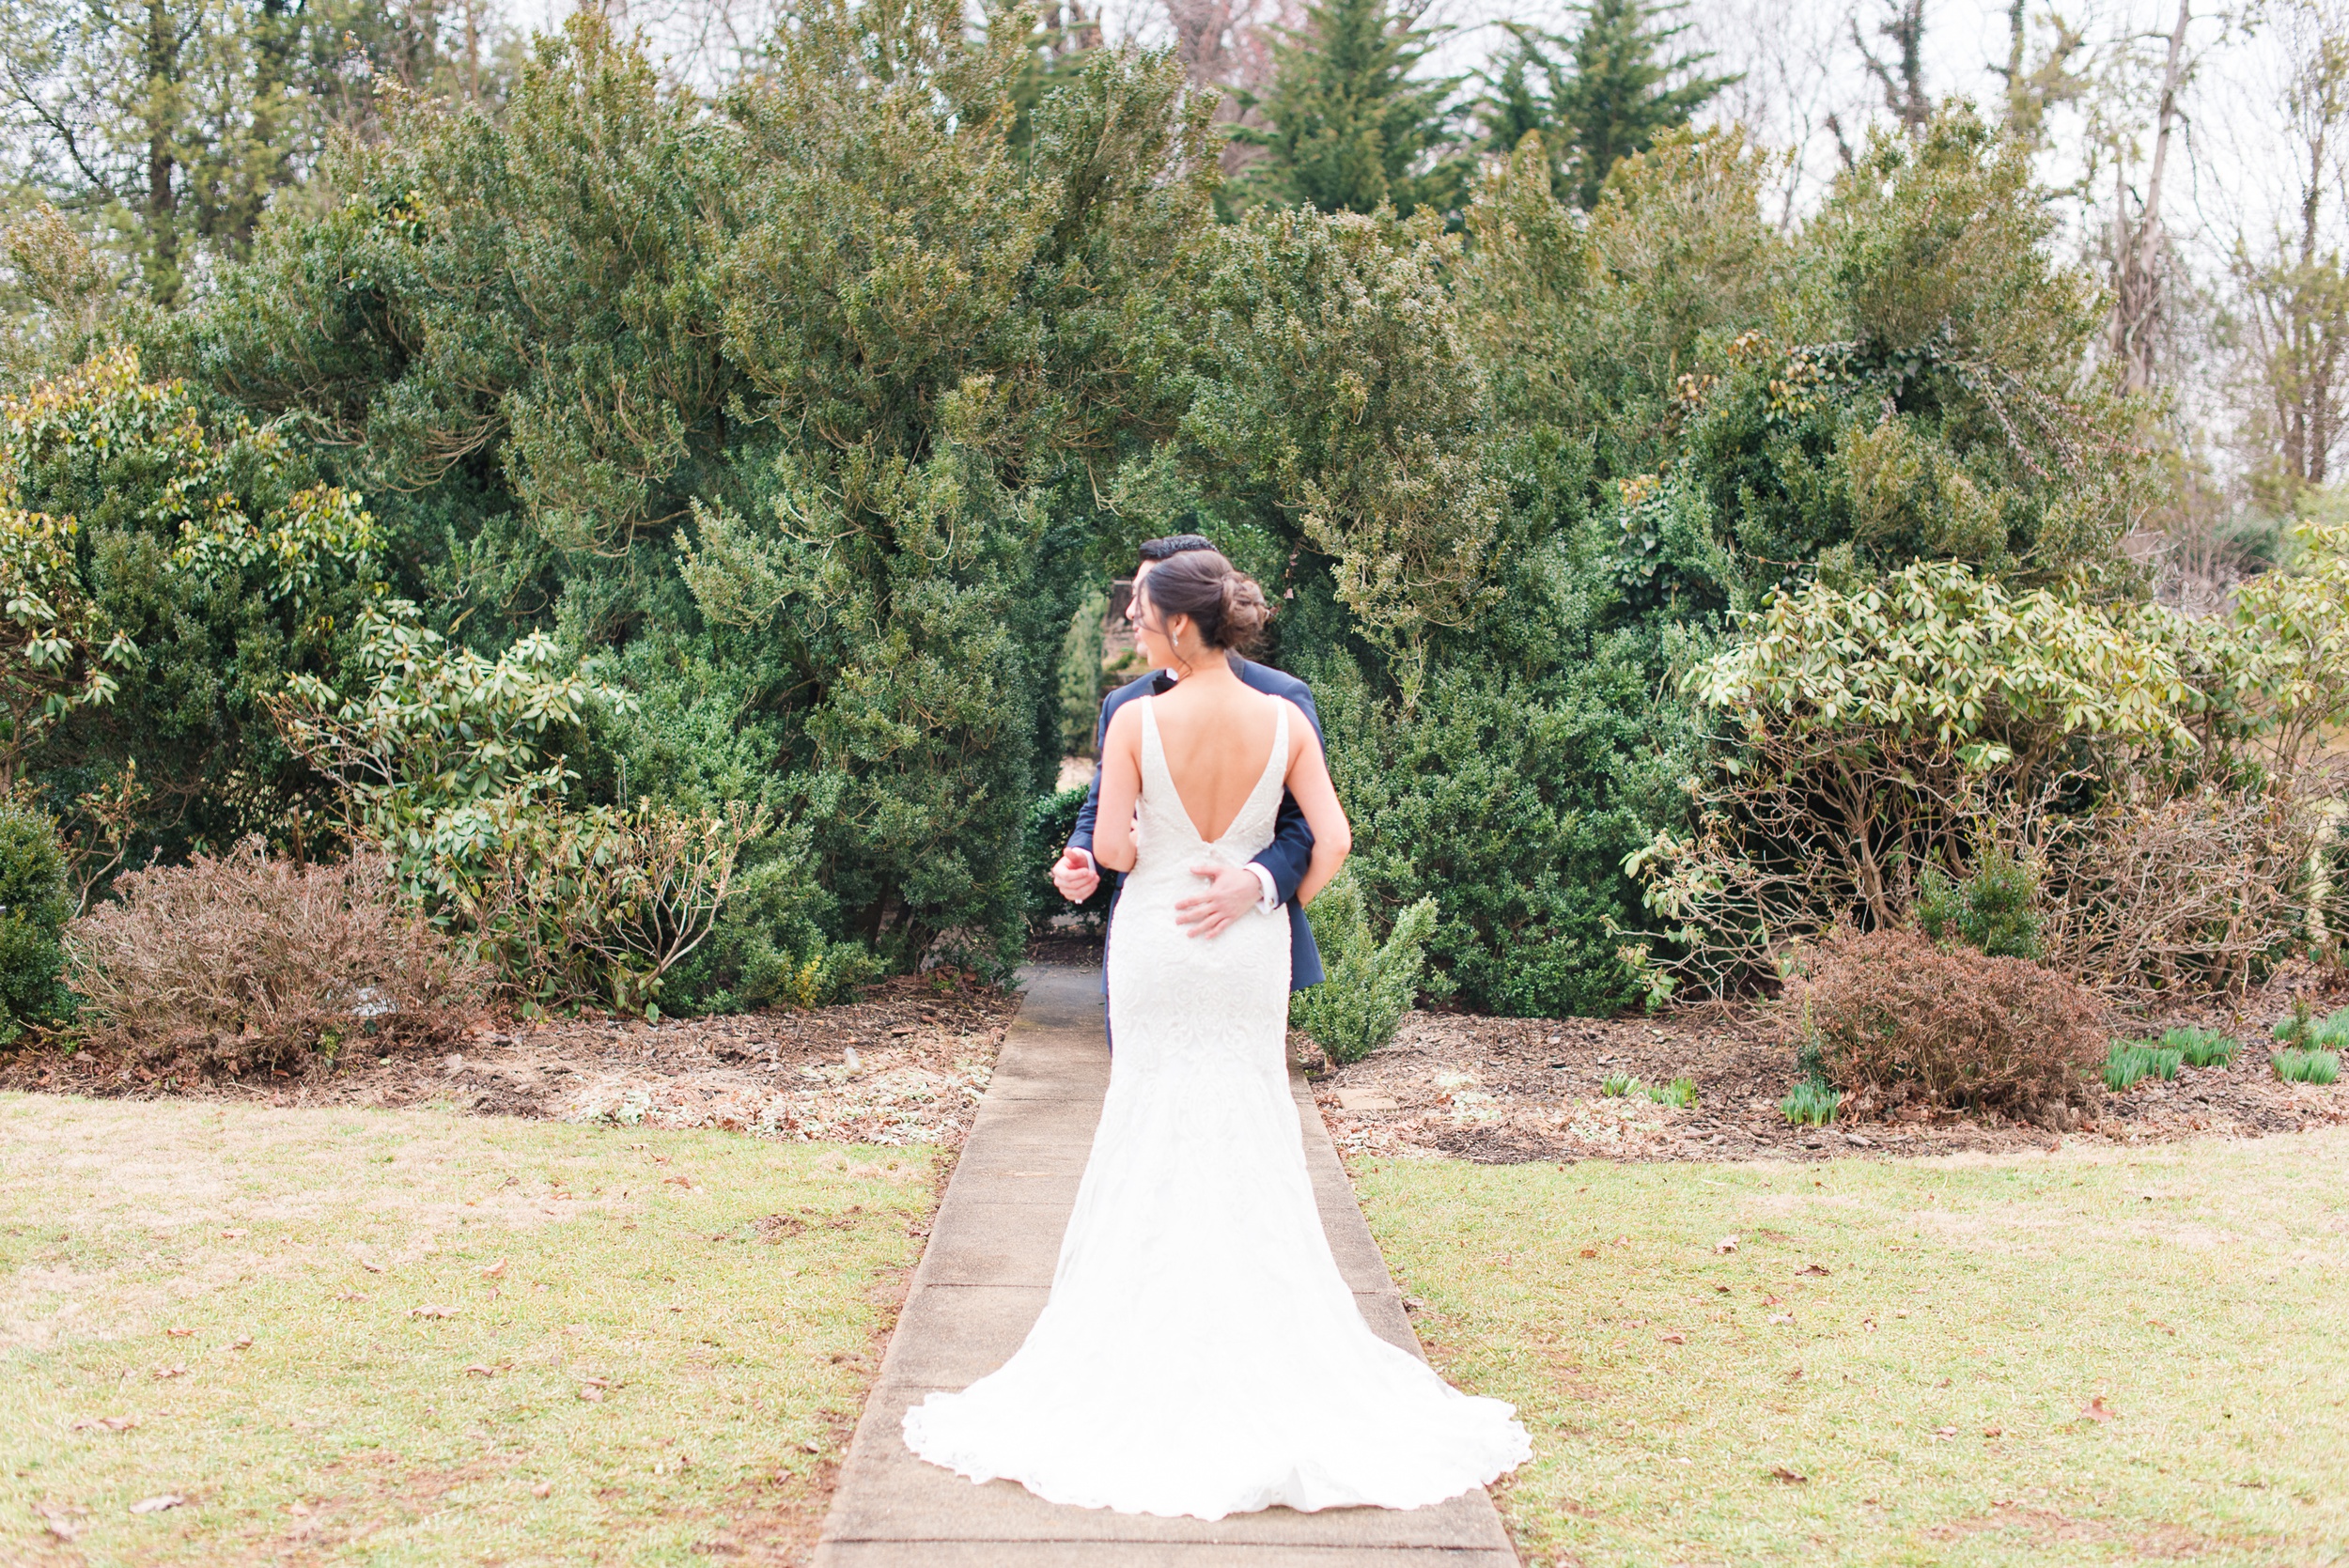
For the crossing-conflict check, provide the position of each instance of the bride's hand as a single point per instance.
(1232, 891)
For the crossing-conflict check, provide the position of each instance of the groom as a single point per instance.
(1228, 891)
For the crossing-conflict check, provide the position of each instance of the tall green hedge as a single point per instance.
(33, 911)
(809, 417)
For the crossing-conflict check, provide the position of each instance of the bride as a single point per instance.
(1200, 1354)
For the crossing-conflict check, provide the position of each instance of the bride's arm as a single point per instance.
(1121, 786)
(1317, 797)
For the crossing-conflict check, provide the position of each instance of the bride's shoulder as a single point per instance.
(1127, 717)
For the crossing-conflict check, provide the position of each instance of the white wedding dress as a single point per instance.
(1200, 1354)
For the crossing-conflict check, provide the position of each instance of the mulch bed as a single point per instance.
(904, 1065)
(1512, 1091)
(907, 1063)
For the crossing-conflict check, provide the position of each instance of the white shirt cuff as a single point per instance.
(1271, 899)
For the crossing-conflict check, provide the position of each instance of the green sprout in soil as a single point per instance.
(2305, 1067)
(2131, 1060)
(2128, 1062)
(2307, 1031)
(1809, 1104)
(1680, 1091)
(1615, 1085)
(2203, 1048)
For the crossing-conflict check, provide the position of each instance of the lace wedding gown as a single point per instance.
(1200, 1354)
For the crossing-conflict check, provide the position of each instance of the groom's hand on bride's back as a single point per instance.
(1075, 874)
(1230, 892)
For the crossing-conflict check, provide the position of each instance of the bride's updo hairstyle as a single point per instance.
(1222, 602)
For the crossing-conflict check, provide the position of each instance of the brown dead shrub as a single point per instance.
(244, 960)
(1900, 1022)
(2162, 892)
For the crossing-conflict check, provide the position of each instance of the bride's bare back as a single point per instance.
(1217, 732)
(1218, 738)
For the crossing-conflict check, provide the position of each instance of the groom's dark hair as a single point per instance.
(1155, 550)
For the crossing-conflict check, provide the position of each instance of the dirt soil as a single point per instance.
(906, 1064)
(1511, 1091)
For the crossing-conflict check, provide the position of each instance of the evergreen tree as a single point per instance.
(1606, 100)
(1351, 128)
(1616, 102)
(1524, 93)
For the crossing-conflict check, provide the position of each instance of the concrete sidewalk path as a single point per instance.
(982, 1280)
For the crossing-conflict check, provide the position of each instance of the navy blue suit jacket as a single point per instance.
(1292, 847)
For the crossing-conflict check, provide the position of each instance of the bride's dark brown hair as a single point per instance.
(1222, 602)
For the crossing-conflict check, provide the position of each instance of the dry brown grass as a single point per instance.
(412, 1339)
(2082, 1359)
(245, 961)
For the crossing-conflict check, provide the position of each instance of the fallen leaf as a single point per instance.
(180, 1333)
(1590, 1251)
(1673, 1338)
(591, 1393)
(1787, 1319)
(245, 1343)
(432, 1311)
(813, 1448)
(1770, 1300)
(1782, 1473)
(156, 1504)
(1945, 1432)
(2097, 1411)
(112, 1424)
(371, 1268)
(1795, 1376)
(676, 1181)
(231, 1235)
(1993, 1431)
(1722, 1288)
(493, 1270)
(165, 1374)
(1815, 1268)
(544, 1489)
(1727, 1244)
(480, 1371)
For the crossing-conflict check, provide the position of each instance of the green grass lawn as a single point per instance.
(419, 1337)
(2085, 1357)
